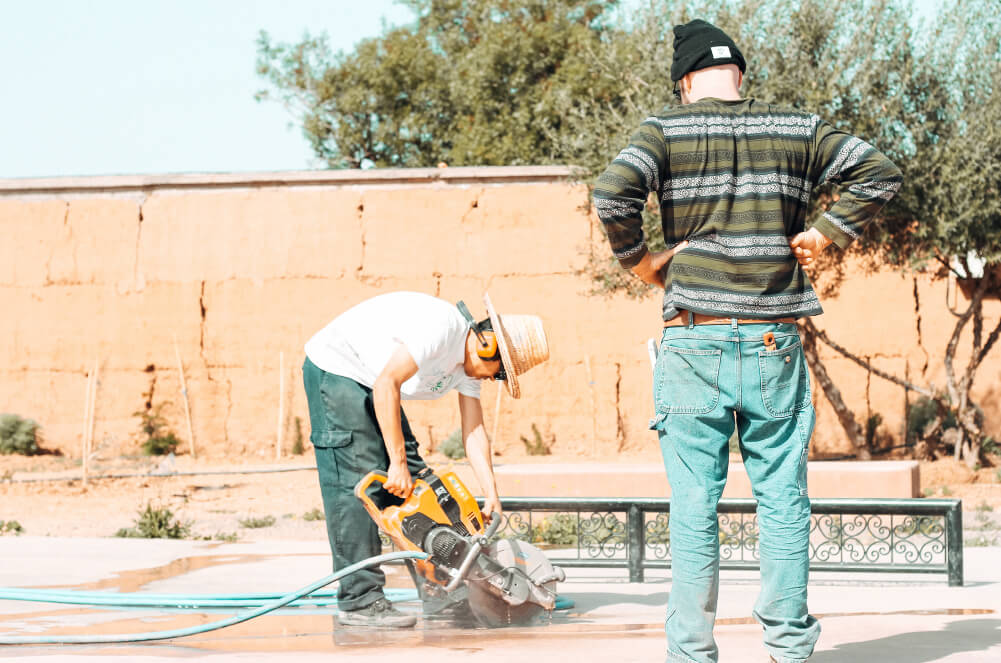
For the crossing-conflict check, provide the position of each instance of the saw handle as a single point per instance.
(361, 490)
(491, 528)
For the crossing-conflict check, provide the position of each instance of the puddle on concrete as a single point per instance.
(313, 629)
(134, 580)
(321, 632)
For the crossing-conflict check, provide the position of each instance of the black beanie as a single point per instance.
(698, 45)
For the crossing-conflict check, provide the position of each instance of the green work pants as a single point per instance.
(348, 445)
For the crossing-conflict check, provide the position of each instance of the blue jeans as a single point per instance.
(709, 379)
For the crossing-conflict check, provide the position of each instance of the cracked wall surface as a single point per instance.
(238, 276)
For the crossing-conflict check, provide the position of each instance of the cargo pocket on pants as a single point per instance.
(331, 439)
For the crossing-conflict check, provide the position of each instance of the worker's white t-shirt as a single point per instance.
(360, 341)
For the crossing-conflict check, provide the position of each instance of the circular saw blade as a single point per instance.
(492, 611)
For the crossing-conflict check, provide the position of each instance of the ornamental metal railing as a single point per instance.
(858, 535)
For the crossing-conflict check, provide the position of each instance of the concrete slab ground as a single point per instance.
(865, 617)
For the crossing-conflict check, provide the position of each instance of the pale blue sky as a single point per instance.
(137, 86)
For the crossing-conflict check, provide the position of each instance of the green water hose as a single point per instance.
(212, 626)
(178, 601)
(196, 601)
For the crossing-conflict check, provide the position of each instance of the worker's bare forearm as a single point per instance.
(386, 401)
(479, 453)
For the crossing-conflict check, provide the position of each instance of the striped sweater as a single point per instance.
(734, 179)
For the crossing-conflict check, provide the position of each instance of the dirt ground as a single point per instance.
(222, 506)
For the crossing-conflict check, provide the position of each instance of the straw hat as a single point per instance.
(522, 342)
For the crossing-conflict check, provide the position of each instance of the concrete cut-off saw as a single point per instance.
(504, 581)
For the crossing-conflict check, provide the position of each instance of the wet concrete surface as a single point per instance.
(865, 617)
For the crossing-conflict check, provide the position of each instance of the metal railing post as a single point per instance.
(954, 543)
(634, 542)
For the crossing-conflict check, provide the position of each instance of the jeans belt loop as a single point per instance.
(691, 320)
(733, 325)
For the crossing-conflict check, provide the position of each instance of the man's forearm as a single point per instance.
(479, 454)
(386, 402)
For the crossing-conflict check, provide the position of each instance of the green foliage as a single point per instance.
(921, 413)
(228, 537)
(18, 435)
(733, 444)
(991, 446)
(298, 445)
(468, 83)
(946, 491)
(313, 514)
(659, 531)
(537, 446)
(10, 527)
(926, 525)
(253, 522)
(558, 530)
(155, 523)
(158, 439)
(452, 447)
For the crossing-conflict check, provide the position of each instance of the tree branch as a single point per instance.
(906, 384)
(845, 416)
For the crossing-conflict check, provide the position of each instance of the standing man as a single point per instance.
(733, 179)
(394, 347)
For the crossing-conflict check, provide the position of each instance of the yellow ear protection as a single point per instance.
(488, 346)
(488, 349)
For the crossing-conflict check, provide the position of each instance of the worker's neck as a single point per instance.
(725, 93)
(721, 82)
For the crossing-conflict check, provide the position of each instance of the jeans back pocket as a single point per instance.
(687, 380)
(785, 384)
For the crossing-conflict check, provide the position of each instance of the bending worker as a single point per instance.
(393, 347)
(733, 179)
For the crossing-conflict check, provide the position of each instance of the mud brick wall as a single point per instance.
(240, 268)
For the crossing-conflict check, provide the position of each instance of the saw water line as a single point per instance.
(179, 601)
(212, 626)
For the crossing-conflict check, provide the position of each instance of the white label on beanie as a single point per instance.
(721, 52)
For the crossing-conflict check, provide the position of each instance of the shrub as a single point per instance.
(159, 441)
(558, 530)
(18, 435)
(253, 522)
(299, 445)
(991, 446)
(155, 523)
(10, 527)
(733, 444)
(313, 514)
(537, 447)
(452, 447)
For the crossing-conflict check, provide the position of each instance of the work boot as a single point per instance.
(380, 614)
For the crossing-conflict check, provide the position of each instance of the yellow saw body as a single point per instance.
(504, 581)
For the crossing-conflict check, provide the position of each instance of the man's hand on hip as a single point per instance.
(807, 246)
(651, 268)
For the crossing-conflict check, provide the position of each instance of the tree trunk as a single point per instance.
(847, 418)
(971, 436)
